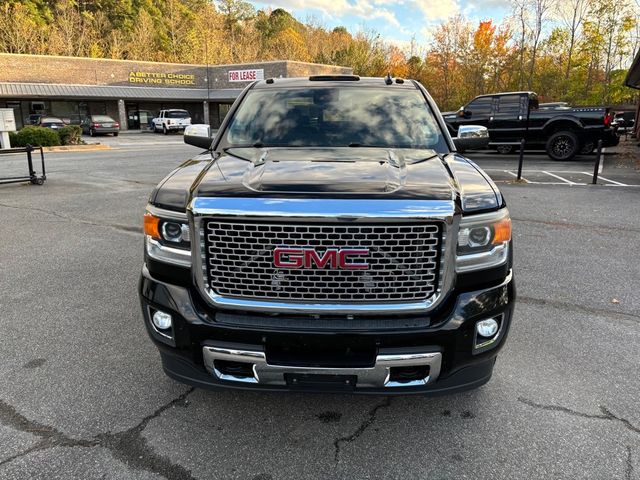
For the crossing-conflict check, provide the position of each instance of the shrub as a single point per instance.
(70, 135)
(37, 137)
(13, 139)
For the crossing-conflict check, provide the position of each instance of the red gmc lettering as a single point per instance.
(284, 257)
(349, 252)
(312, 258)
(287, 257)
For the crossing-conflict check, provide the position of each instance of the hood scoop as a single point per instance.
(360, 171)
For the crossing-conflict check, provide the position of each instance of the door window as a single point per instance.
(223, 109)
(480, 106)
(510, 104)
(133, 117)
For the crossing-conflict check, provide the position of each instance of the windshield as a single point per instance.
(178, 114)
(335, 117)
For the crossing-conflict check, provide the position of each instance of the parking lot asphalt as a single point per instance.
(83, 394)
(614, 170)
(137, 139)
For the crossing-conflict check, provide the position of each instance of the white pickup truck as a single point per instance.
(171, 120)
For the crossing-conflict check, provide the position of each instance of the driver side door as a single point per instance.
(478, 112)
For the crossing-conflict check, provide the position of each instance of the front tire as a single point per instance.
(562, 145)
(164, 129)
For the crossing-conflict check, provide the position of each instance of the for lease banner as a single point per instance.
(246, 75)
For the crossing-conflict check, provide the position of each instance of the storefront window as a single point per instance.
(222, 111)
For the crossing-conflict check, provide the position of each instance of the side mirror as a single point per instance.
(471, 137)
(198, 135)
(464, 113)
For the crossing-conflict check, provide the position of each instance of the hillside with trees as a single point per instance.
(571, 50)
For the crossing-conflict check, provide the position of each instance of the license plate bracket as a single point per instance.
(321, 381)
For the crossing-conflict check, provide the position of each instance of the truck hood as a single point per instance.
(340, 172)
(335, 172)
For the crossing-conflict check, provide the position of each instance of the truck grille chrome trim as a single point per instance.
(406, 242)
(378, 376)
(322, 209)
(402, 261)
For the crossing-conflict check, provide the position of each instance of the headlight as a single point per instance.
(167, 239)
(174, 232)
(483, 241)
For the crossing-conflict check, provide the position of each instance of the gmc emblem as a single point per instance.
(337, 258)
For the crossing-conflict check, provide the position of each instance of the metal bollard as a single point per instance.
(32, 172)
(597, 166)
(521, 160)
(44, 172)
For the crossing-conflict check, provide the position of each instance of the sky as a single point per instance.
(396, 20)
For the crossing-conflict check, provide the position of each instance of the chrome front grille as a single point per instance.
(403, 259)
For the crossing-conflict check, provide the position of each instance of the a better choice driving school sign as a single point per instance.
(162, 78)
(246, 75)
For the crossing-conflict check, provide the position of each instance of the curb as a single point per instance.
(78, 148)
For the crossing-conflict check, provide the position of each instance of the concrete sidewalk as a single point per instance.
(135, 137)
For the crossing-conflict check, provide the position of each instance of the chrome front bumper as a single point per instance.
(378, 376)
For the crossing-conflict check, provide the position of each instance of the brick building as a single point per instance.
(131, 91)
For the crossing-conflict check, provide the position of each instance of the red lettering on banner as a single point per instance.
(245, 75)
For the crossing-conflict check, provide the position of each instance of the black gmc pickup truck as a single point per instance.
(329, 238)
(561, 130)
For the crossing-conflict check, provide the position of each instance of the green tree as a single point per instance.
(23, 27)
(142, 43)
(235, 14)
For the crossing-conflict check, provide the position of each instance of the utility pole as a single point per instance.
(207, 80)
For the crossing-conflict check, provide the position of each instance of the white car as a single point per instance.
(171, 120)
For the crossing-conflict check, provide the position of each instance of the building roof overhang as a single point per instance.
(633, 75)
(110, 92)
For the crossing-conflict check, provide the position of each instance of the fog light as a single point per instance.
(487, 328)
(162, 320)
